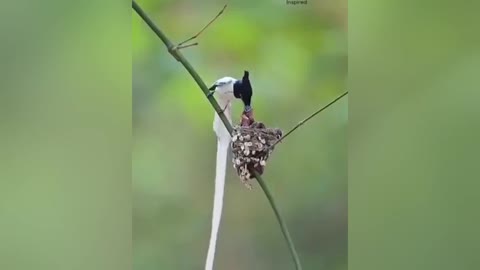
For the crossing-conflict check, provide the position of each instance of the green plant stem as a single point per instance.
(282, 224)
(179, 57)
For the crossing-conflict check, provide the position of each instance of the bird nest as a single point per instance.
(251, 147)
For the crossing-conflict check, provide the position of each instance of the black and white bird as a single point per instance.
(226, 90)
(233, 88)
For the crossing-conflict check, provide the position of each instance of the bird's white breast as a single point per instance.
(218, 125)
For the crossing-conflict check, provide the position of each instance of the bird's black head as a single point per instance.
(243, 89)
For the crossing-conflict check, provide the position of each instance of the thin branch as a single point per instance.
(308, 118)
(179, 57)
(186, 46)
(200, 32)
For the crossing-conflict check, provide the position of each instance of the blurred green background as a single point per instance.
(413, 135)
(65, 140)
(297, 57)
(65, 135)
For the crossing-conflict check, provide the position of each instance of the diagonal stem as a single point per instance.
(281, 222)
(179, 57)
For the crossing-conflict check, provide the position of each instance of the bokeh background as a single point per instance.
(297, 57)
(65, 140)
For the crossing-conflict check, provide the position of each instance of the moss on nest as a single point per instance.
(251, 147)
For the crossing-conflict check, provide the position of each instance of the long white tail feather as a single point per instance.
(222, 150)
(223, 144)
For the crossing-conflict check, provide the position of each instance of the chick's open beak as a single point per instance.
(247, 118)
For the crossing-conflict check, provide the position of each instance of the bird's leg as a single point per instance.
(210, 94)
(181, 44)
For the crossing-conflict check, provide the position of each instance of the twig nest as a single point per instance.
(251, 147)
